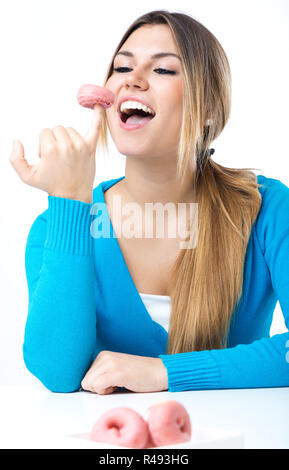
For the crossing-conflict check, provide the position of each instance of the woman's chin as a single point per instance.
(129, 149)
(129, 152)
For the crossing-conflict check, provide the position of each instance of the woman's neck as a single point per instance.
(152, 184)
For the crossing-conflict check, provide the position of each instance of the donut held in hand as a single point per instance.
(122, 427)
(90, 95)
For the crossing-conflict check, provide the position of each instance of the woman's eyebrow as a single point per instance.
(154, 56)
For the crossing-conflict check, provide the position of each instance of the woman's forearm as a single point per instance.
(262, 363)
(60, 333)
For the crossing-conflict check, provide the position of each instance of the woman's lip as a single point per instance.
(131, 127)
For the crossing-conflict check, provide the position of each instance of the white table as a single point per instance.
(34, 417)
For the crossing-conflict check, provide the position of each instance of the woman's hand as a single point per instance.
(67, 161)
(111, 370)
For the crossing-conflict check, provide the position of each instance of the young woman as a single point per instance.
(141, 313)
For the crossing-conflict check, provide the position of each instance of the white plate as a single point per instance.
(202, 438)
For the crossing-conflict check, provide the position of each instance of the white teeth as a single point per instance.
(134, 105)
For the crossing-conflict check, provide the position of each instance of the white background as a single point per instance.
(50, 48)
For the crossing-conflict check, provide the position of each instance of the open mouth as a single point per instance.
(136, 113)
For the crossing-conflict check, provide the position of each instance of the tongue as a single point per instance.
(137, 119)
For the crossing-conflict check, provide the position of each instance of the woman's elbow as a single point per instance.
(54, 380)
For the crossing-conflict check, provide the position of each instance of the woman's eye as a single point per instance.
(163, 71)
(120, 69)
(166, 71)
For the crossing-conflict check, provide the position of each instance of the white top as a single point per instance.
(159, 308)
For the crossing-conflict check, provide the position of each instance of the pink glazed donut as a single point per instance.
(169, 423)
(90, 95)
(122, 427)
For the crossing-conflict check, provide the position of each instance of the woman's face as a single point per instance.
(141, 76)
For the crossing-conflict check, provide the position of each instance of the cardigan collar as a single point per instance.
(121, 301)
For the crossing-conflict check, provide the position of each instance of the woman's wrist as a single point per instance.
(69, 223)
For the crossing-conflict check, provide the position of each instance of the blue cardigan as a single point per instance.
(82, 299)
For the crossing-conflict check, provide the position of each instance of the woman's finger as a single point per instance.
(107, 390)
(47, 135)
(46, 139)
(76, 138)
(92, 133)
(61, 134)
(102, 384)
(20, 164)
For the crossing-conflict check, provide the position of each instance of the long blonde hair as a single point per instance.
(205, 282)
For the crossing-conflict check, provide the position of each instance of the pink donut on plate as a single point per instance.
(90, 95)
(169, 423)
(122, 427)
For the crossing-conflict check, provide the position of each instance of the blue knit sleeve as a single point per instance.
(60, 332)
(264, 362)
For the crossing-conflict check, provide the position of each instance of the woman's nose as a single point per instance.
(135, 78)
